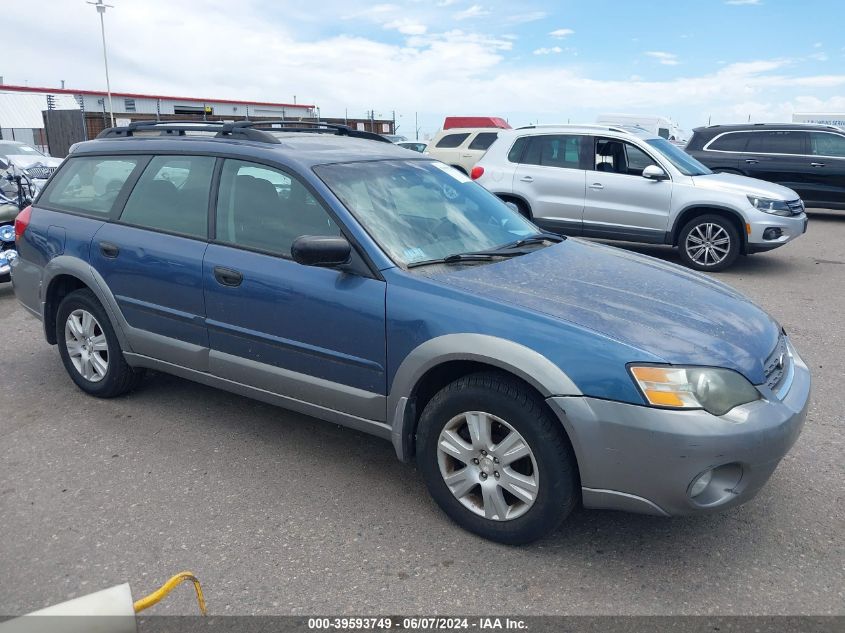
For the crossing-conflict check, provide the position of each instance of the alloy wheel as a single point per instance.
(708, 244)
(86, 345)
(488, 466)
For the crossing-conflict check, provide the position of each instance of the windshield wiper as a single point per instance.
(539, 238)
(475, 256)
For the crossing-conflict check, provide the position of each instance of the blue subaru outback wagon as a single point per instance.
(358, 282)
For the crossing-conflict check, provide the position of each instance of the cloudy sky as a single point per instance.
(527, 60)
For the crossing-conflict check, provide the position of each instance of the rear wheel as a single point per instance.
(89, 347)
(519, 206)
(495, 460)
(709, 243)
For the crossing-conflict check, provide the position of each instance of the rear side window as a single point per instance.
(266, 209)
(172, 196)
(90, 184)
(554, 151)
(777, 142)
(663, 132)
(484, 140)
(731, 142)
(827, 144)
(452, 140)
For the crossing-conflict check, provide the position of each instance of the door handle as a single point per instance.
(467, 155)
(816, 164)
(227, 276)
(109, 250)
(597, 185)
(527, 179)
(751, 161)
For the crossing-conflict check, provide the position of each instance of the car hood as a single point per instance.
(733, 183)
(662, 309)
(25, 161)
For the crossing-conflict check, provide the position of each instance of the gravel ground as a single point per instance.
(278, 513)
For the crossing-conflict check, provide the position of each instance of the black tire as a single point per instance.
(119, 378)
(521, 207)
(510, 400)
(707, 260)
(460, 169)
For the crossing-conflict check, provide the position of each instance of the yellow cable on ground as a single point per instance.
(155, 597)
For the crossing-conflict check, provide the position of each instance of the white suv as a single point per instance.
(625, 184)
(462, 147)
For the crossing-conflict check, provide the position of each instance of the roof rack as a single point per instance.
(590, 126)
(237, 129)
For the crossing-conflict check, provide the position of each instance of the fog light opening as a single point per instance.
(700, 484)
(772, 233)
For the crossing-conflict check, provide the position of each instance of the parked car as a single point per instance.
(37, 165)
(809, 159)
(461, 147)
(625, 184)
(351, 281)
(416, 146)
(661, 126)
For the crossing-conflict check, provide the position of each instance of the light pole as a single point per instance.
(101, 9)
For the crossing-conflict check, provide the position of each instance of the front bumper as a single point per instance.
(643, 459)
(789, 228)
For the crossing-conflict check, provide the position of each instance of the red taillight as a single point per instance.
(22, 222)
(477, 172)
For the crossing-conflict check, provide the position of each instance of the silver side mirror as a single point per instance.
(653, 172)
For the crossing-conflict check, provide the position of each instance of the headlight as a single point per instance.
(768, 205)
(717, 391)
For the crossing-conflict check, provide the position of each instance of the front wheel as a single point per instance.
(709, 243)
(495, 460)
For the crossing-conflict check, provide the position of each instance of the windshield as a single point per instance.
(18, 149)
(682, 161)
(423, 210)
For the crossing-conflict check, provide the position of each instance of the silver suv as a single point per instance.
(626, 184)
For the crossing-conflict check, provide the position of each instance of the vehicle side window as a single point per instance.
(554, 151)
(663, 132)
(777, 142)
(484, 140)
(90, 184)
(827, 144)
(172, 195)
(266, 209)
(620, 157)
(518, 149)
(452, 140)
(730, 142)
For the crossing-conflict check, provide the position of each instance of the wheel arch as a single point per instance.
(439, 361)
(63, 275)
(693, 211)
(512, 197)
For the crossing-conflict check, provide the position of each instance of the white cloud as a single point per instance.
(548, 51)
(744, 2)
(446, 3)
(819, 57)
(524, 18)
(406, 26)
(474, 11)
(667, 59)
(561, 33)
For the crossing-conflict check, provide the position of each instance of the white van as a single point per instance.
(657, 125)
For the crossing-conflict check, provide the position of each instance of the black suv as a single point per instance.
(810, 159)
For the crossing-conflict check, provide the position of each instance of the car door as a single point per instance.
(724, 151)
(827, 169)
(551, 178)
(779, 156)
(313, 335)
(151, 259)
(620, 203)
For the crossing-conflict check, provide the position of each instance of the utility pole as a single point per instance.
(101, 9)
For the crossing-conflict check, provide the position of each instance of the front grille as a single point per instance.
(778, 366)
(40, 172)
(796, 206)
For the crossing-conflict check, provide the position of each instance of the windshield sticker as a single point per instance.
(413, 254)
(450, 192)
(454, 173)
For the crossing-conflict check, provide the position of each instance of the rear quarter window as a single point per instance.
(90, 184)
(483, 140)
(452, 140)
